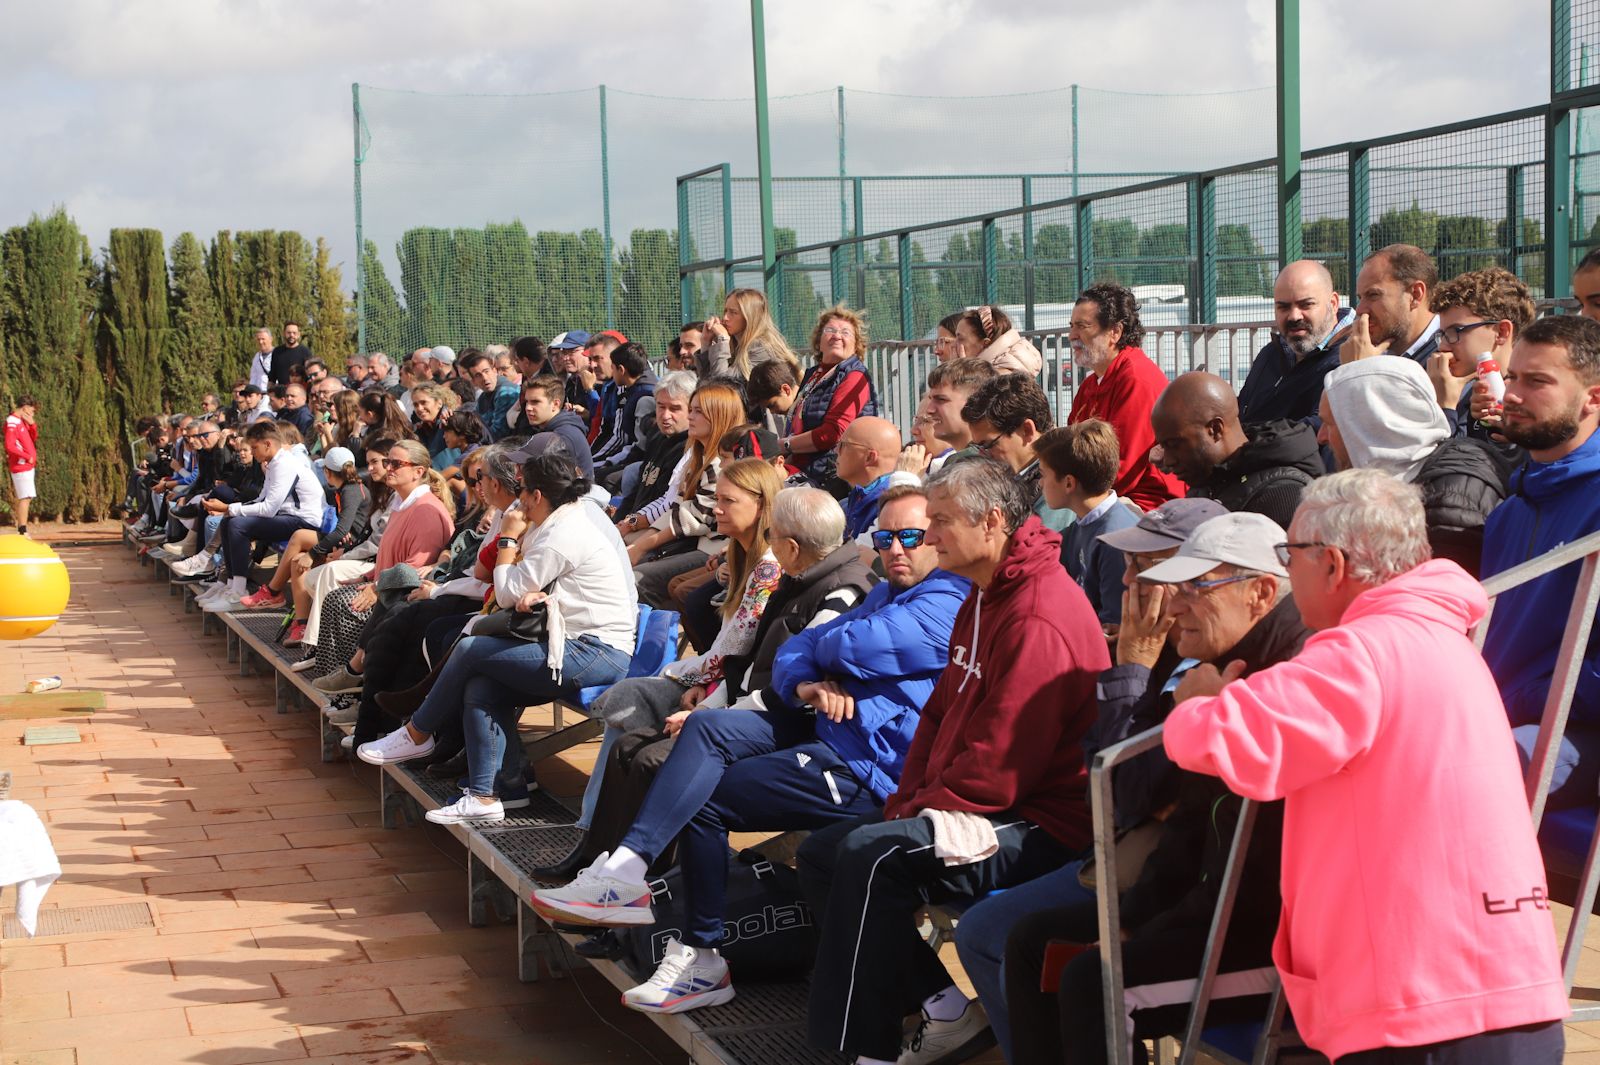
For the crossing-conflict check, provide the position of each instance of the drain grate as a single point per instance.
(70, 920)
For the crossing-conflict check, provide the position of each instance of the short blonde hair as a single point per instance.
(841, 313)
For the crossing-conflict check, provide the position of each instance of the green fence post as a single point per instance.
(907, 310)
(989, 257)
(727, 229)
(838, 274)
(1558, 158)
(1358, 179)
(861, 248)
(1203, 220)
(361, 247)
(758, 50)
(1514, 219)
(1074, 140)
(1085, 235)
(686, 309)
(1290, 236)
(605, 216)
(1028, 279)
(844, 212)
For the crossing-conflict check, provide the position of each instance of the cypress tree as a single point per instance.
(237, 342)
(467, 292)
(330, 336)
(385, 316)
(424, 277)
(194, 352)
(648, 268)
(513, 287)
(135, 321)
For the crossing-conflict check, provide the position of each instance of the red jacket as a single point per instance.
(22, 448)
(1124, 397)
(997, 738)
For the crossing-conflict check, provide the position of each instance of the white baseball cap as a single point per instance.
(337, 458)
(1248, 541)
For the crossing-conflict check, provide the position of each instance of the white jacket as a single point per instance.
(291, 491)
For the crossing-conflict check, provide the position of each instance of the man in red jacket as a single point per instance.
(22, 456)
(1121, 388)
(993, 792)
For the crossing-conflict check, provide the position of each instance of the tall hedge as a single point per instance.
(135, 323)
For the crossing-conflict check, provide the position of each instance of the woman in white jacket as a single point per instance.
(987, 333)
(562, 554)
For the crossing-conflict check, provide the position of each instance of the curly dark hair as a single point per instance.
(1007, 401)
(1116, 305)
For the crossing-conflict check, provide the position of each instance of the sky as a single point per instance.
(204, 114)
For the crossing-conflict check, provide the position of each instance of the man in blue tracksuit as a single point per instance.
(867, 674)
(1552, 409)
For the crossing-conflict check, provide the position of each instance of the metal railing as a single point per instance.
(1541, 768)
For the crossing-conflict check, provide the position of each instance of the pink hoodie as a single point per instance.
(1414, 906)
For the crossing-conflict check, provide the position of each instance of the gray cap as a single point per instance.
(541, 444)
(1165, 527)
(1248, 541)
(443, 353)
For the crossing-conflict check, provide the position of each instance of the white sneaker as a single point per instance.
(947, 1042)
(225, 603)
(193, 564)
(340, 715)
(303, 665)
(687, 979)
(348, 742)
(595, 898)
(210, 591)
(397, 746)
(466, 809)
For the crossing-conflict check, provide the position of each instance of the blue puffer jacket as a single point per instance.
(887, 652)
(1551, 503)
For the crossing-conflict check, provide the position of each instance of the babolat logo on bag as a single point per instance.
(766, 925)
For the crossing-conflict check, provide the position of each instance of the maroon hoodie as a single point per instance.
(1002, 731)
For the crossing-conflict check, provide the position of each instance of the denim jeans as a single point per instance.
(983, 929)
(489, 679)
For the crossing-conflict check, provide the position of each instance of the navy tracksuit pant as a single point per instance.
(739, 771)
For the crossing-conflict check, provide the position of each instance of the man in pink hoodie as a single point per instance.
(1416, 924)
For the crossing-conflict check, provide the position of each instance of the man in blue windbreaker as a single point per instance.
(1552, 409)
(865, 675)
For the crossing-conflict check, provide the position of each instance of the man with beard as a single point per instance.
(289, 354)
(1285, 379)
(1394, 314)
(1552, 409)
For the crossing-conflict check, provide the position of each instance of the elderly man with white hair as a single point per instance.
(1415, 924)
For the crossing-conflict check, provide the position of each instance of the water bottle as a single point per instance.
(1489, 377)
(43, 684)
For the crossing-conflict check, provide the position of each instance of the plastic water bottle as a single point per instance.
(1489, 377)
(43, 684)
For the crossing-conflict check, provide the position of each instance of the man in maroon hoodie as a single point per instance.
(993, 792)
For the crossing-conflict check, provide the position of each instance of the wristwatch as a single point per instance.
(784, 445)
(506, 542)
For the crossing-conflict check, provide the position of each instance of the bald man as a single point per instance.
(868, 451)
(1259, 468)
(1285, 379)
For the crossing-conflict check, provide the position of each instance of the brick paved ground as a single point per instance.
(288, 926)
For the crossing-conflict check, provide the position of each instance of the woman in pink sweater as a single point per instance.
(1415, 913)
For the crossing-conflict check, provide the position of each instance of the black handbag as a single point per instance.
(532, 625)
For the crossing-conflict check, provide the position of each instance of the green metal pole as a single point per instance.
(1558, 158)
(758, 49)
(1203, 200)
(989, 257)
(1029, 271)
(605, 211)
(844, 207)
(908, 310)
(361, 246)
(1289, 231)
(686, 308)
(1359, 246)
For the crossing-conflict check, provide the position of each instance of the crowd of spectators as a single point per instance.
(911, 648)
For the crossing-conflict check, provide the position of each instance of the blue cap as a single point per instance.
(572, 338)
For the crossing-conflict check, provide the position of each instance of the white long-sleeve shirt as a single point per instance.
(585, 565)
(291, 491)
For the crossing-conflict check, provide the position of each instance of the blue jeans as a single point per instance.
(489, 679)
(738, 771)
(982, 932)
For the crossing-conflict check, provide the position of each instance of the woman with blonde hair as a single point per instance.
(987, 333)
(744, 336)
(677, 532)
(834, 393)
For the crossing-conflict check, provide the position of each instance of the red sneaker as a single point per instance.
(297, 635)
(261, 597)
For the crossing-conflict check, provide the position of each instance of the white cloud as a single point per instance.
(208, 114)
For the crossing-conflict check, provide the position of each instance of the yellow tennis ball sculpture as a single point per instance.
(33, 587)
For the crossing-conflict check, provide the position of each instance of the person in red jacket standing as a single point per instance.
(1121, 388)
(993, 791)
(22, 457)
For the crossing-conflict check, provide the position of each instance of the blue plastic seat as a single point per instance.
(655, 646)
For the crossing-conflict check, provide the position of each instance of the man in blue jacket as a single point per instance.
(1552, 409)
(866, 674)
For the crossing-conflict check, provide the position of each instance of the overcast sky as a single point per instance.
(208, 114)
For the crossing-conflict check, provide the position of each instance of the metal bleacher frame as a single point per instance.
(1271, 1039)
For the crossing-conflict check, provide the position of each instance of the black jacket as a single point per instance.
(655, 476)
(1268, 473)
(792, 606)
(571, 429)
(282, 359)
(1462, 481)
(1178, 887)
(301, 418)
(1281, 384)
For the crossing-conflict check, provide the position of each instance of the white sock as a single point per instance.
(947, 1005)
(236, 585)
(625, 865)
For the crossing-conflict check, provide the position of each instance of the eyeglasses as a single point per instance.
(986, 446)
(1282, 550)
(833, 331)
(1452, 333)
(1194, 589)
(473, 481)
(883, 539)
(393, 465)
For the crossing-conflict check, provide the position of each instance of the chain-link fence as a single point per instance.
(480, 218)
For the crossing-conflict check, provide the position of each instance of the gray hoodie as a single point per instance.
(1387, 413)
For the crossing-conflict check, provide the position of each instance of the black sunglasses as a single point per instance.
(909, 538)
